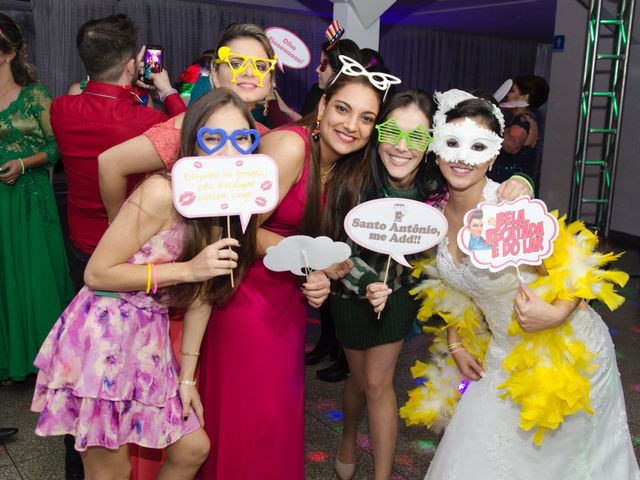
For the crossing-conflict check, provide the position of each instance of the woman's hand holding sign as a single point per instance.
(310, 257)
(215, 259)
(377, 294)
(317, 288)
(513, 189)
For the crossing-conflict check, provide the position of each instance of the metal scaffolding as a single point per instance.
(598, 135)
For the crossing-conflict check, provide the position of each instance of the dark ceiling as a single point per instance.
(522, 19)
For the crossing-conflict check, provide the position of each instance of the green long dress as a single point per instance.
(34, 279)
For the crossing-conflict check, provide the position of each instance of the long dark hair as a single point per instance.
(347, 176)
(428, 180)
(11, 41)
(482, 107)
(341, 47)
(200, 231)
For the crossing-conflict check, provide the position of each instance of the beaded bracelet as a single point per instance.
(190, 354)
(186, 382)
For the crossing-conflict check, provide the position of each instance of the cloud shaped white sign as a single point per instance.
(497, 236)
(289, 48)
(395, 226)
(218, 186)
(295, 253)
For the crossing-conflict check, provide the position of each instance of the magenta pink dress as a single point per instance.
(252, 366)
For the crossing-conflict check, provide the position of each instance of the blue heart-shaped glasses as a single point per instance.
(210, 140)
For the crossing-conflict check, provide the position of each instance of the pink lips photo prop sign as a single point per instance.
(219, 186)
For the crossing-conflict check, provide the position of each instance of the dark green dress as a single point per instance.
(34, 280)
(357, 326)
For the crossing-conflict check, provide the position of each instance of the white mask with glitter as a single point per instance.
(465, 142)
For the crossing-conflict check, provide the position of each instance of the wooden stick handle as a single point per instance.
(229, 236)
(386, 276)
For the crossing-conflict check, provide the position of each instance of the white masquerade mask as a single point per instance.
(381, 81)
(465, 142)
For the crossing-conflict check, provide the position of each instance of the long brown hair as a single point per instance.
(200, 231)
(347, 177)
(11, 41)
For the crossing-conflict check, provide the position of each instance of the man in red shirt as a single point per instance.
(106, 113)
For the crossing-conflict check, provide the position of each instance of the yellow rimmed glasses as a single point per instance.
(417, 139)
(239, 63)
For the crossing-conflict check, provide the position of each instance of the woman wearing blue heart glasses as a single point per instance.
(108, 375)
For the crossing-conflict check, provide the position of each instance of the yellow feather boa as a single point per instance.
(548, 369)
(433, 403)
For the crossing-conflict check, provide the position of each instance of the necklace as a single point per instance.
(100, 95)
(324, 174)
(138, 99)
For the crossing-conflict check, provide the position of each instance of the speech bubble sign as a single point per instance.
(297, 252)
(219, 186)
(497, 236)
(395, 226)
(291, 50)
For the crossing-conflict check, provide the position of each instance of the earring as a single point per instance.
(436, 160)
(490, 167)
(315, 133)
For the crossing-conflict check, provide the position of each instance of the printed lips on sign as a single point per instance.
(225, 185)
(496, 236)
(395, 226)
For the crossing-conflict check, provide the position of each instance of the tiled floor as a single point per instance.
(32, 458)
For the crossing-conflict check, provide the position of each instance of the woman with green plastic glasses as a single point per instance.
(398, 167)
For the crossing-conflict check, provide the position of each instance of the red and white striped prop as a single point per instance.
(333, 33)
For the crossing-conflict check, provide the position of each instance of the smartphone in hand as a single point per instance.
(152, 62)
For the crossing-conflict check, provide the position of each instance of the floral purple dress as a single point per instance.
(107, 374)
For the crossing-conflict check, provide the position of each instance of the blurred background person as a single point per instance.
(519, 152)
(188, 78)
(329, 65)
(34, 280)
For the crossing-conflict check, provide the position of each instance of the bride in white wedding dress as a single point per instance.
(484, 439)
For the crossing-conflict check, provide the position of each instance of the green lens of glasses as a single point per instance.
(417, 139)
